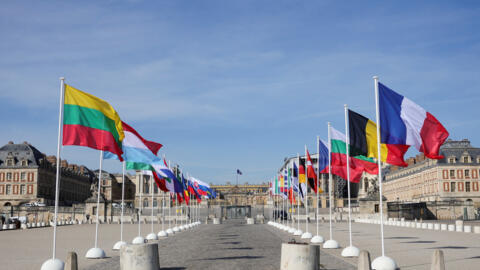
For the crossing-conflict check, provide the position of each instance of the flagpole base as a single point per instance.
(292, 230)
(118, 245)
(384, 263)
(298, 232)
(162, 234)
(331, 244)
(170, 231)
(306, 235)
(286, 228)
(95, 253)
(350, 251)
(317, 239)
(152, 236)
(176, 229)
(53, 264)
(138, 240)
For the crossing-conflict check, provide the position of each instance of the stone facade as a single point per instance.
(27, 175)
(241, 194)
(453, 178)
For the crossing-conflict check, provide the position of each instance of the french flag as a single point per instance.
(404, 122)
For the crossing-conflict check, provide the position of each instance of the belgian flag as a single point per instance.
(363, 141)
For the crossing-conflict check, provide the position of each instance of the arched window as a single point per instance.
(145, 202)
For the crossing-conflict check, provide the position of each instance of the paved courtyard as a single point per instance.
(235, 245)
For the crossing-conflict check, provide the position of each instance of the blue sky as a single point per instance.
(234, 84)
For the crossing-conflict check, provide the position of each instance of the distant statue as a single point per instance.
(372, 188)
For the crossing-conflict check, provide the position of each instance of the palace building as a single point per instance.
(453, 178)
(27, 175)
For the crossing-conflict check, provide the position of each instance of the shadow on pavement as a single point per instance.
(233, 258)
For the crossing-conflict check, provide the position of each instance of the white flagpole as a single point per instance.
(383, 261)
(123, 200)
(318, 175)
(298, 195)
(121, 242)
(163, 211)
(350, 251)
(96, 252)
(152, 235)
(331, 243)
(139, 239)
(54, 263)
(98, 197)
(317, 238)
(306, 234)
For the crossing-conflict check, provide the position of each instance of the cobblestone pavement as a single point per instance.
(232, 245)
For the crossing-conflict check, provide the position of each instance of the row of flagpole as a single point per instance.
(411, 122)
(96, 252)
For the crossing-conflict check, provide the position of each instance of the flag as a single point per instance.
(363, 141)
(295, 177)
(322, 155)
(403, 122)
(239, 172)
(302, 180)
(281, 184)
(135, 148)
(91, 122)
(193, 190)
(311, 175)
(358, 164)
(186, 196)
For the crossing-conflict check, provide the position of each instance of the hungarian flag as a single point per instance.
(90, 121)
(311, 175)
(363, 141)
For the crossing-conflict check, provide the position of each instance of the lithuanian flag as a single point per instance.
(363, 141)
(91, 122)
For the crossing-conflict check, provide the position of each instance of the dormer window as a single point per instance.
(466, 159)
(10, 162)
(24, 162)
(451, 160)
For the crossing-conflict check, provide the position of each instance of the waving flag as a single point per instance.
(239, 172)
(302, 180)
(358, 164)
(363, 141)
(185, 190)
(403, 122)
(193, 191)
(90, 121)
(311, 175)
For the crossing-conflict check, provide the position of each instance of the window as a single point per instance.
(452, 186)
(145, 203)
(9, 176)
(467, 173)
(452, 174)
(467, 186)
(22, 189)
(451, 160)
(466, 160)
(9, 162)
(377, 209)
(24, 163)
(154, 202)
(23, 175)
(155, 188)
(8, 189)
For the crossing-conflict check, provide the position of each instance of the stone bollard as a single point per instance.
(443, 227)
(299, 257)
(139, 257)
(476, 229)
(216, 221)
(71, 261)
(364, 262)
(430, 226)
(424, 226)
(438, 262)
(467, 228)
(451, 227)
(436, 226)
(459, 225)
(250, 221)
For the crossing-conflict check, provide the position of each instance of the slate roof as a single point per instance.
(457, 149)
(19, 152)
